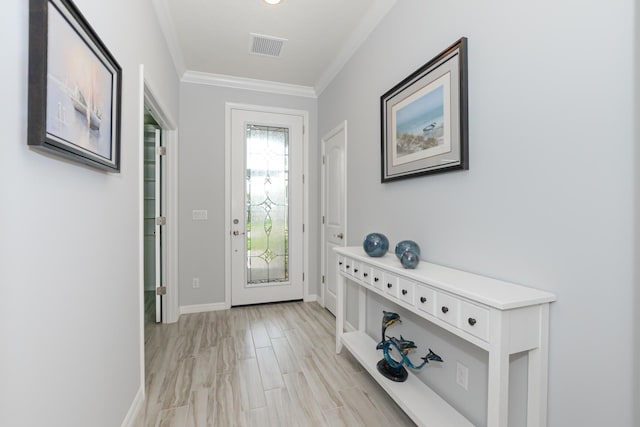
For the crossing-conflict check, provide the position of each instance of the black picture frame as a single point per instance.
(75, 87)
(424, 118)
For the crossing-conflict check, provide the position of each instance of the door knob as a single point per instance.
(340, 236)
(237, 233)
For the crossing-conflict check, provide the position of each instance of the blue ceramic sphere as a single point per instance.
(409, 259)
(376, 244)
(405, 245)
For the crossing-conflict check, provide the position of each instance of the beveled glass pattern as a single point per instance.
(267, 204)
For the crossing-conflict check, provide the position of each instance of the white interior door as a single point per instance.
(266, 207)
(158, 225)
(334, 208)
(152, 229)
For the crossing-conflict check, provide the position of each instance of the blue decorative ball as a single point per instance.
(410, 259)
(376, 244)
(406, 245)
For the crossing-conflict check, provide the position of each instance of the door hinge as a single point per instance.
(323, 278)
(303, 277)
(322, 219)
(162, 151)
(323, 159)
(161, 290)
(303, 179)
(161, 220)
(303, 228)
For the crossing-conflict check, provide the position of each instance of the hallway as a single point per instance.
(267, 365)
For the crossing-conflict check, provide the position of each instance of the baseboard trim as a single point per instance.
(134, 409)
(202, 308)
(311, 298)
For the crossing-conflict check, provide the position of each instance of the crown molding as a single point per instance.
(372, 18)
(369, 22)
(223, 80)
(167, 27)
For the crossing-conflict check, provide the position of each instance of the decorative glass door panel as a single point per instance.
(267, 204)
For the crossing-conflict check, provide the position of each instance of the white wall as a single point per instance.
(548, 199)
(69, 241)
(636, 252)
(202, 185)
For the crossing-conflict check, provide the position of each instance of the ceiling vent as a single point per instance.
(266, 45)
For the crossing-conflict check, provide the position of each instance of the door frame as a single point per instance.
(229, 106)
(323, 202)
(170, 236)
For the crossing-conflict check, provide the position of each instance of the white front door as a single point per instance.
(334, 208)
(266, 207)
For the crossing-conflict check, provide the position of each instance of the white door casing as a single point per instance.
(291, 287)
(169, 197)
(334, 208)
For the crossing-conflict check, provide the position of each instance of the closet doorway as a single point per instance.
(154, 219)
(158, 192)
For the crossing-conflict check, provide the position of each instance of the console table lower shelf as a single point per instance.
(421, 403)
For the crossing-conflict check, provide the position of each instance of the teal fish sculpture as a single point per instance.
(388, 366)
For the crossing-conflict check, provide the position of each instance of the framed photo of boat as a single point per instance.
(75, 87)
(424, 118)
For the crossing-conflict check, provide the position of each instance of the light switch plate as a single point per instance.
(200, 215)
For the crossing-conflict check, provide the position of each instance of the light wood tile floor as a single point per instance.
(268, 365)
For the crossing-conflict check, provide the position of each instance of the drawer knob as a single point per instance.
(404, 292)
(445, 309)
(365, 274)
(423, 300)
(389, 285)
(348, 266)
(472, 321)
(355, 270)
(376, 279)
(340, 263)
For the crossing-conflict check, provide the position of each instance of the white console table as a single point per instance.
(499, 317)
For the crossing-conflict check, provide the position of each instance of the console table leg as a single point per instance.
(498, 405)
(538, 374)
(339, 311)
(362, 309)
(498, 387)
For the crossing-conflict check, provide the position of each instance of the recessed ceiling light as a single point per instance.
(272, 1)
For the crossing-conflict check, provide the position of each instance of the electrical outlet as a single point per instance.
(462, 376)
(196, 282)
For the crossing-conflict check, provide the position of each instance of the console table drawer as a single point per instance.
(390, 284)
(406, 290)
(474, 320)
(425, 299)
(348, 266)
(376, 278)
(447, 308)
(366, 274)
(357, 270)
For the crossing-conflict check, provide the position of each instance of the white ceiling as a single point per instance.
(211, 38)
